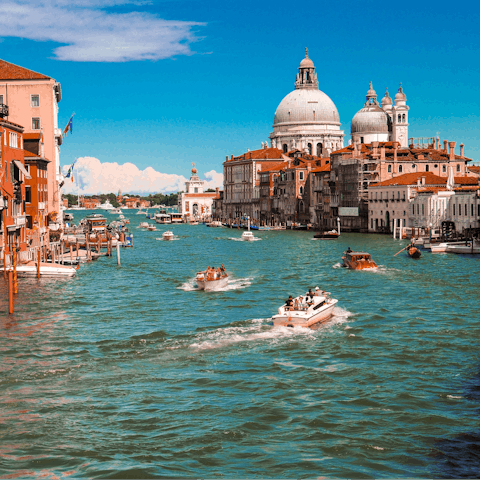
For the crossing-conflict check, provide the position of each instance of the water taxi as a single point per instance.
(298, 312)
(211, 279)
(163, 218)
(358, 260)
(330, 235)
(248, 236)
(168, 235)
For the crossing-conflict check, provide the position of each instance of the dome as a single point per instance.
(306, 63)
(371, 92)
(400, 96)
(370, 119)
(387, 100)
(307, 105)
(194, 171)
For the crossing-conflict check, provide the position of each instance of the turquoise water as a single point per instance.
(131, 372)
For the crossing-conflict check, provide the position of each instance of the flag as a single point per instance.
(70, 170)
(72, 178)
(69, 126)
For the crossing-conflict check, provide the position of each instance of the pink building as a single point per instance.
(33, 99)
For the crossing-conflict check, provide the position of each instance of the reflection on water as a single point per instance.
(131, 371)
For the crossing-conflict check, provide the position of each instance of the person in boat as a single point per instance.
(219, 272)
(318, 292)
(289, 303)
(309, 297)
(222, 268)
(349, 250)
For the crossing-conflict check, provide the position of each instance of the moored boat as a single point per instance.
(167, 235)
(358, 260)
(215, 223)
(300, 313)
(211, 279)
(30, 269)
(330, 235)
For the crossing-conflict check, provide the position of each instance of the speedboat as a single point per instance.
(107, 206)
(358, 260)
(469, 247)
(143, 224)
(30, 269)
(330, 235)
(168, 235)
(151, 227)
(116, 211)
(215, 223)
(248, 236)
(211, 280)
(302, 314)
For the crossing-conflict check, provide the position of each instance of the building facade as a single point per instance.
(33, 99)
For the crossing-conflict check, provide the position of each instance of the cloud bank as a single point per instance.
(91, 177)
(90, 30)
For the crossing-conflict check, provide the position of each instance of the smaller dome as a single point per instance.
(400, 96)
(306, 62)
(370, 119)
(194, 171)
(371, 92)
(387, 100)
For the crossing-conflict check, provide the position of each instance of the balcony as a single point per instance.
(20, 221)
(3, 110)
(41, 205)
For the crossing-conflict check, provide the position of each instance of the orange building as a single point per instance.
(12, 186)
(91, 203)
(36, 188)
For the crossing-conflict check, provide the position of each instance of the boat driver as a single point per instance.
(289, 303)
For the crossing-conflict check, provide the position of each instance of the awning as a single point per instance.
(22, 169)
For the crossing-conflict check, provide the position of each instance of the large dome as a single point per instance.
(307, 105)
(370, 119)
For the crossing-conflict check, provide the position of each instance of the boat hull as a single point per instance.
(295, 318)
(209, 285)
(46, 270)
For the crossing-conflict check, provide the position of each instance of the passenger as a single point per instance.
(318, 292)
(301, 305)
(349, 250)
(309, 297)
(289, 303)
(222, 268)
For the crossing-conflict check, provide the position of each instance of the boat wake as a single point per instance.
(233, 284)
(337, 265)
(240, 239)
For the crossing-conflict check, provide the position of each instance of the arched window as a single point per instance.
(319, 149)
(285, 148)
(403, 118)
(458, 167)
(389, 169)
(444, 168)
(400, 169)
(427, 168)
(301, 190)
(399, 118)
(302, 207)
(309, 146)
(195, 209)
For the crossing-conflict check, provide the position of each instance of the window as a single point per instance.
(389, 169)
(423, 209)
(285, 148)
(35, 100)
(427, 168)
(400, 169)
(1, 99)
(466, 209)
(301, 190)
(35, 123)
(28, 194)
(399, 118)
(471, 209)
(453, 209)
(309, 146)
(300, 175)
(458, 167)
(195, 190)
(444, 168)
(361, 139)
(319, 149)
(403, 118)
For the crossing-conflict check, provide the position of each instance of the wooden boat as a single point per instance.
(248, 236)
(46, 270)
(330, 235)
(303, 314)
(168, 235)
(469, 247)
(358, 260)
(209, 280)
(412, 251)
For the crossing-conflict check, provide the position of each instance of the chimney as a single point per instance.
(382, 152)
(438, 143)
(375, 149)
(445, 146)
(395, 147)
(227, 158)
(423, 180)
(218, 195)
(452, 150)
(461, 149)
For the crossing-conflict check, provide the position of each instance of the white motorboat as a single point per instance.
(248, 236)
(163, 218)
(168, 235)
(151, 227)
(466, 248)
(441, 247)
(305, 314)
(211, 279)
(215, 223)
(143, 224)
(107, 206)
(46, 270)
(116, 211)
(141, 212)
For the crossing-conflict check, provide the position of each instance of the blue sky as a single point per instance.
(162, 84)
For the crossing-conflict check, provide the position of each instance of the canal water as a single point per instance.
(132, 372)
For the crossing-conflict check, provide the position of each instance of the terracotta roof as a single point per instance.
(470, 188)
(10, 71)
(31, 136)
(430, 179)
(261, 154)
(474, 169)
(323, 168)
(277, 167)
(268, 167)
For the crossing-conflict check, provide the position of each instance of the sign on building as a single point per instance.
(348, 211)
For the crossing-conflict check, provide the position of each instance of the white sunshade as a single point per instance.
(22, 169)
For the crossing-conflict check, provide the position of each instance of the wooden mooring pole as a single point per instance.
(10, 291)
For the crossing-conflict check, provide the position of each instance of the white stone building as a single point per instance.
(195, 203)
(307, 119)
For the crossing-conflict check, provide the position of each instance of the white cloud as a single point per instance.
(90, 177)
(90, 32)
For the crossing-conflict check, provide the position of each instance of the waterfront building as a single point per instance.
(36, 189)
(241, 180)
(321, 198)
(91, 203)
(12, 187)
(307, 119)
(36, 97)
(408, 198)
(195, 203)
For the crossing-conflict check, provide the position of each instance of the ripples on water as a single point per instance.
(134, 372)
